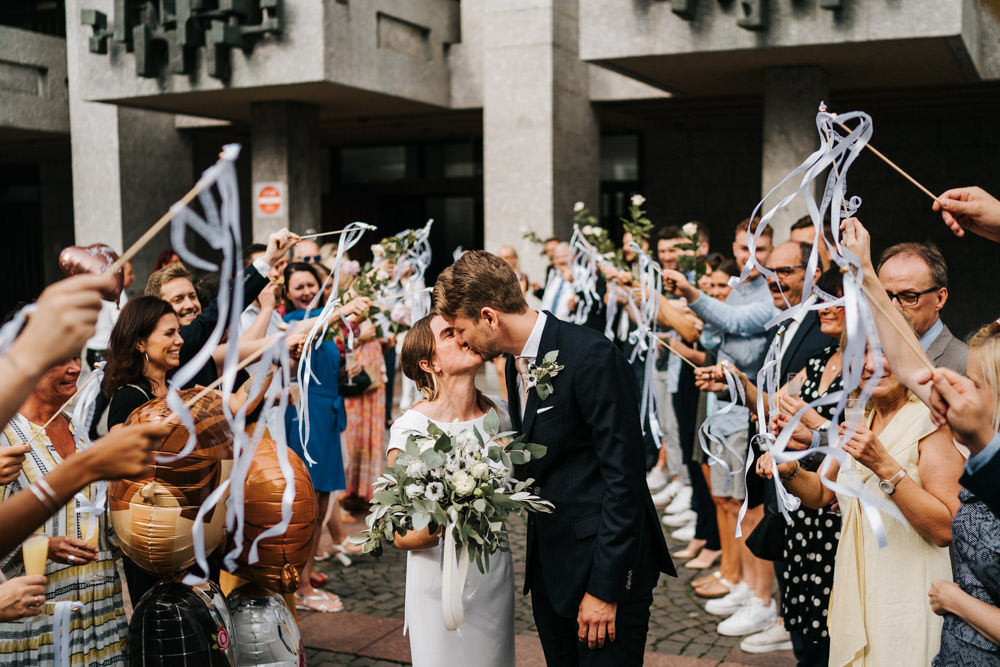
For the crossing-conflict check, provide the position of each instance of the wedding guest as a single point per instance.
(559, 296)
(167, 257)
(76, 570)
(915, 276)
(327, 419)
(877, 615)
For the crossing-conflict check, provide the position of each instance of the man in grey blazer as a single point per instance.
(916, 277)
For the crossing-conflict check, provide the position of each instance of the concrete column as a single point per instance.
(540, 134)
(286, 150)
(791, 100)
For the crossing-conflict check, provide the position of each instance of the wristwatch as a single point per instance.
(888, 486)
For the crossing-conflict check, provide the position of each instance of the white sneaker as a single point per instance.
(681, 519)
(656, 479)
(730, 603)
(751, 618)
(674, 487)
(681, 502)
(663, 497)
(775, 638)
(684, 533)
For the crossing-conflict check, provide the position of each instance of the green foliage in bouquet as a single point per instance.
(457, 480)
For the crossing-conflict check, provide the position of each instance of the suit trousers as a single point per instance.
(559, 634)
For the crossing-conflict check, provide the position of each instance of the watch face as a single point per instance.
(886, 487)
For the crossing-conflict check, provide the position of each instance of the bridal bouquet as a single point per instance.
(455, 480)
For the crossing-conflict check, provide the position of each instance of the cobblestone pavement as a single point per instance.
(679, 625)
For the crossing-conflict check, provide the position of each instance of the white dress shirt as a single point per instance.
(530, 352)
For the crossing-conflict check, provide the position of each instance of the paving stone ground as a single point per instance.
(368, 633)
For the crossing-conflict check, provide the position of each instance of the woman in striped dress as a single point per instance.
(76, 570)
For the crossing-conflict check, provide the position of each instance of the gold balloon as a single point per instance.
(282, 557)
(153, 515)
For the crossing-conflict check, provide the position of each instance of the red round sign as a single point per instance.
(269, 200)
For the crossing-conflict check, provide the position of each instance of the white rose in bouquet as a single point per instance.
(434, 491)
(400, 313)
(480, 470)
(414, 490)
(416, 468)
(588, 230)
(382, 275)
(466, 440)
(378, 252)
(464, 483)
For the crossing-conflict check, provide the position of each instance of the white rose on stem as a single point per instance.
(690, 229)
(638, 200)
(382, 275)
(578, 206)
(414, 490)
(480, 470)
(434, 491)
(588, 230)
(378, 252)
(464, 483)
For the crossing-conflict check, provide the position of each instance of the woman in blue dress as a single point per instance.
(326, 420)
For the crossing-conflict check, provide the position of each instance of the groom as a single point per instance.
(593, 563)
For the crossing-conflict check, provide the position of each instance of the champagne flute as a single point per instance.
(855, 410)
(793, 385)
(35, 552)
(349, 358)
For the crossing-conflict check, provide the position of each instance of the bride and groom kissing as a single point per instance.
(593, 563)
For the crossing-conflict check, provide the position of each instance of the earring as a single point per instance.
(146, 357)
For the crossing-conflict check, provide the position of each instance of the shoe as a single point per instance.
(691, 550)
(663, 497)
(753, 617)
(679, 519)
(656, 479)
(318, 580)
(706, 579)
(674, 487)
(775, 638)
(320, 601)
(681, 502)
(704, 561)
(716, 589)
(684, 533)
(730, 603)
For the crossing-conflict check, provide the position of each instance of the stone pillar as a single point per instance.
(540, 134)
(791, 100)
(286, 151)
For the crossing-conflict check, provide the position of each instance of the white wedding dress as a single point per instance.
(486, 638)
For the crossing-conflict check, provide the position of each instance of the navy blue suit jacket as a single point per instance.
(604, 537)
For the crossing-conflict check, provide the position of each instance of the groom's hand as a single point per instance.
(596, 621)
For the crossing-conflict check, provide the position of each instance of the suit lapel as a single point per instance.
(937, 346)
(547, 344)
(800, 335)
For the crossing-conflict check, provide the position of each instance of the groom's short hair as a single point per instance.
(478, 280)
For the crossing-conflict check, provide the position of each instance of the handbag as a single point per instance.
(359, 384)
(767, 540)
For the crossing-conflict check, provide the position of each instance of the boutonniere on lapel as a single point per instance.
(539, 376)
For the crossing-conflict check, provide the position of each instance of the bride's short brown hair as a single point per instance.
(478, 279)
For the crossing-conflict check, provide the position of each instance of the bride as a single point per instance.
(444, 370)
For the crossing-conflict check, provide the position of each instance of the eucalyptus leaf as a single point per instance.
(479, 505)
(491, 424)
(550, 357)
(544, 390)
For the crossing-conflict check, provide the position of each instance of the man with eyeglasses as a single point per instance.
(306, 251)
(915, 276)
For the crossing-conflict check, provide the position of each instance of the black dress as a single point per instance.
(975, 561)
(811, 541)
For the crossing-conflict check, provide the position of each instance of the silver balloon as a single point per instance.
(266, 632)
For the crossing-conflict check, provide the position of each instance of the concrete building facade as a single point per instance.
(491, 116)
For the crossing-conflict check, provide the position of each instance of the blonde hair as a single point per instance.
(986, 342)
(419, 345)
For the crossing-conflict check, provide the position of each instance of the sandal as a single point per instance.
(718, 589)
(704, 561)
(690, 551)
(320, 601)
(318, 580)
(706, 580)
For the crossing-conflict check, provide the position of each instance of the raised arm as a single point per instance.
(742, 320)
(893, 329)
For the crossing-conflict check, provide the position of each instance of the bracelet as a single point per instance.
(794, 474)
(46, 503)
(53, 498)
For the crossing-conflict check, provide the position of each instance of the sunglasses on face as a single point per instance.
(908, 299)
(309, 259)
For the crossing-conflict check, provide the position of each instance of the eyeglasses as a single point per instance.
(309, 259)
(784, 270)
(909, 299)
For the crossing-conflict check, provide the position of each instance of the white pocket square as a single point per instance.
(545, 409)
